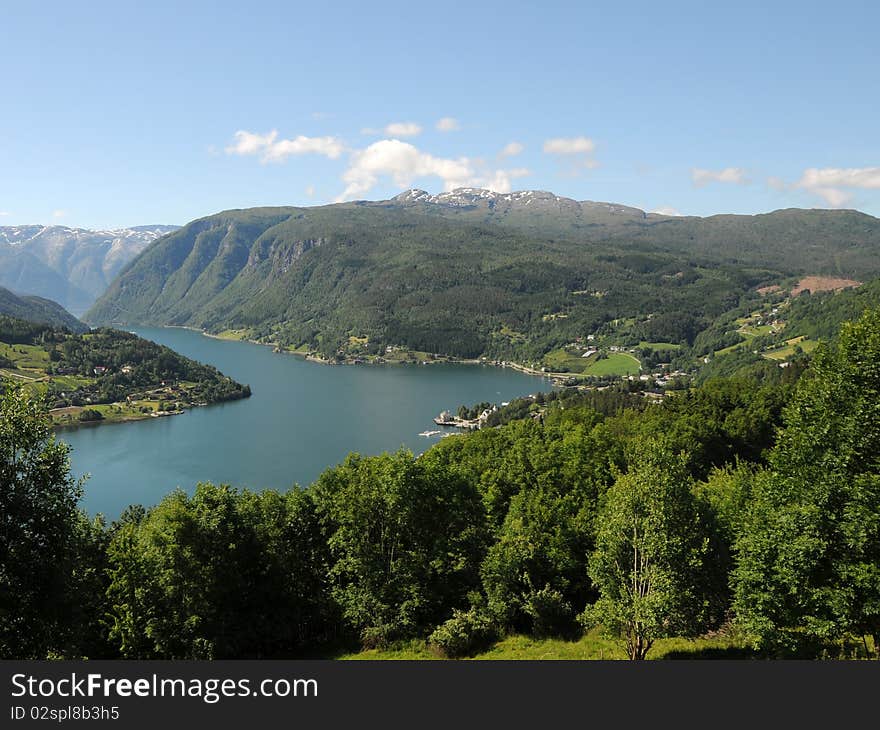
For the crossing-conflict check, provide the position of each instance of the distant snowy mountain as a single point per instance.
(70, 265)
(463, 197)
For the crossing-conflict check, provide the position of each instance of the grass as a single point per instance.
(764, 329)
(617, 363)
(512, 334)
(733, 348)
(591, 646)
(400, 356)
(25, 356)
(70, 382)
(561, 360)
(112, 412)
(655, 346)
(239, 334)
(785, 352)
(22, 376)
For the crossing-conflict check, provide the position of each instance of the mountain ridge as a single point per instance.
(38, 310)
(73, 265)
(471, 272)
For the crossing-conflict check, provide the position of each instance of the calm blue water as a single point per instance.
(301, 418)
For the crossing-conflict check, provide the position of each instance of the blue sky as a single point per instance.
(125, 113)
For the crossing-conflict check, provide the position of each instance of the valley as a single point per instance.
(72, 266)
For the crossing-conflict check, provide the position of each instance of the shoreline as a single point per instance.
(446, 359)
(310, 357)
(131, 418)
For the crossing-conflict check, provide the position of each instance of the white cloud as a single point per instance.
(827, 182)
(271, 149)
(4, 213)
(501, 181)
(310, 191)
(853, 177)
(448, 124)
(403, 129)
(403, 163)
(835, 197)
(569, 146)
(512, 149)
(777, 183)
(395, 129)
(668, 210)
(59, 214)
(577, 151)
(732, 175)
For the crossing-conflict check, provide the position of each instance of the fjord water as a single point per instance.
(302, 418)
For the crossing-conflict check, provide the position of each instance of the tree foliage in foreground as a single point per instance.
(405, 542)
(652, 553)
(45, 572)
(809, 556)
(221, 574)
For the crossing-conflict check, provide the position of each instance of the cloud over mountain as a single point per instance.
(730, 175)
(271, 149)
(404, 163)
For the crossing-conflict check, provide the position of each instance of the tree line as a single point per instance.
(747, 504)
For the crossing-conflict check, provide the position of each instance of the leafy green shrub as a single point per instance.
(465, 634)
(551, 614)
(377, 637)
(90, 414)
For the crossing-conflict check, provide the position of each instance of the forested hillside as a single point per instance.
(37, 309)
(473, 273)
(745, 508)
(105, 374)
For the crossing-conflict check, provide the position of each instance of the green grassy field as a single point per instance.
(590, 646)
(732, 348)
(659, 346)
(617, 363)
(25, 356)
(240, 334)
(764, 329)
(783, 353)
(561, 361)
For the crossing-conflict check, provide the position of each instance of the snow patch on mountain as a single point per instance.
(469, 197)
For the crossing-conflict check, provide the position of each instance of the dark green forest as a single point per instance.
(747, 504)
